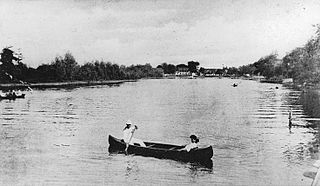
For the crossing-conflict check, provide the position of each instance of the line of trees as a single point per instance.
(171, 68)
(65, 68)
(302, 64)
(269, 66)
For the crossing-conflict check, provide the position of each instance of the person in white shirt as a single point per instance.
(128, 131)
(193, 144)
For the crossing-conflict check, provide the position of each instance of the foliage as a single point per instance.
(167, 68)
(269, 66)
(65, 68)
(247, 69)
(266, 66)
(303, 63)
(202, 70)
(233, 71)
(192, 65)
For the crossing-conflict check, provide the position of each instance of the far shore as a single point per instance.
(62, 84)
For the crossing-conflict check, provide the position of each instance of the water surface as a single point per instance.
(59, 136)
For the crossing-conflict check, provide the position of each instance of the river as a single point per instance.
(60, 136)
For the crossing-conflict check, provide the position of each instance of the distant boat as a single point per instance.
(234, 85)
(163, 151)
(12, 97)
(279, 81)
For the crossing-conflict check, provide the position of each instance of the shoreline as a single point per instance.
(62, 84)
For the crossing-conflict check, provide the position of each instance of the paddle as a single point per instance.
(127, 144)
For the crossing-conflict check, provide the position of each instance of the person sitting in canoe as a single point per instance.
(193, 144)
(13, 93)
(128, 131)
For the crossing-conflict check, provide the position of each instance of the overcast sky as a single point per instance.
(213, 32)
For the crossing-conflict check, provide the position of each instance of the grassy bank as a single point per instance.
(62, 84)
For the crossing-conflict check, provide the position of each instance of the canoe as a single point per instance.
(162, 151)
(12, 96)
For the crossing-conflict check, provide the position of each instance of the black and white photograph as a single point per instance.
(160, 92)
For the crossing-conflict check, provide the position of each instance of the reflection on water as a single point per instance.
(59, 137)
(311, 103)
(310, 100)
(132, 168)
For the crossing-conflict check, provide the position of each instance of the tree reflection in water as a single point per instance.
(310, 101)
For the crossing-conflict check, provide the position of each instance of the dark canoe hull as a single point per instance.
(163, 151)
(12, 97)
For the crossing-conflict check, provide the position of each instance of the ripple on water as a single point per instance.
(59, 137)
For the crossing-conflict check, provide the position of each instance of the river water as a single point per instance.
(60, 136)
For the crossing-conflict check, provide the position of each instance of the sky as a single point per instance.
(215, 33)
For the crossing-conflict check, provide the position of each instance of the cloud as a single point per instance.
(130, 32)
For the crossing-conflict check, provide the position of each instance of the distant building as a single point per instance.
(182, 70)
(209, 72)
(220, 72)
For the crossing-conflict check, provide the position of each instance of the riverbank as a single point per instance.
(62, 84)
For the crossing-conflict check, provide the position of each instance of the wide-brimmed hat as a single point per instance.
(129, 122)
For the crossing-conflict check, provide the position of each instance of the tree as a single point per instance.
(71, 65)
(202, 70)
(233, 71)
(303, 63)
(266, 65)
(168, 68)
(171, 69)
(59, 68)
(7, 66)
(247, 69)
(46, 73)
(192, 65)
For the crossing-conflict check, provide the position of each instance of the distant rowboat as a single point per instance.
(11, 97)
(163, 151)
